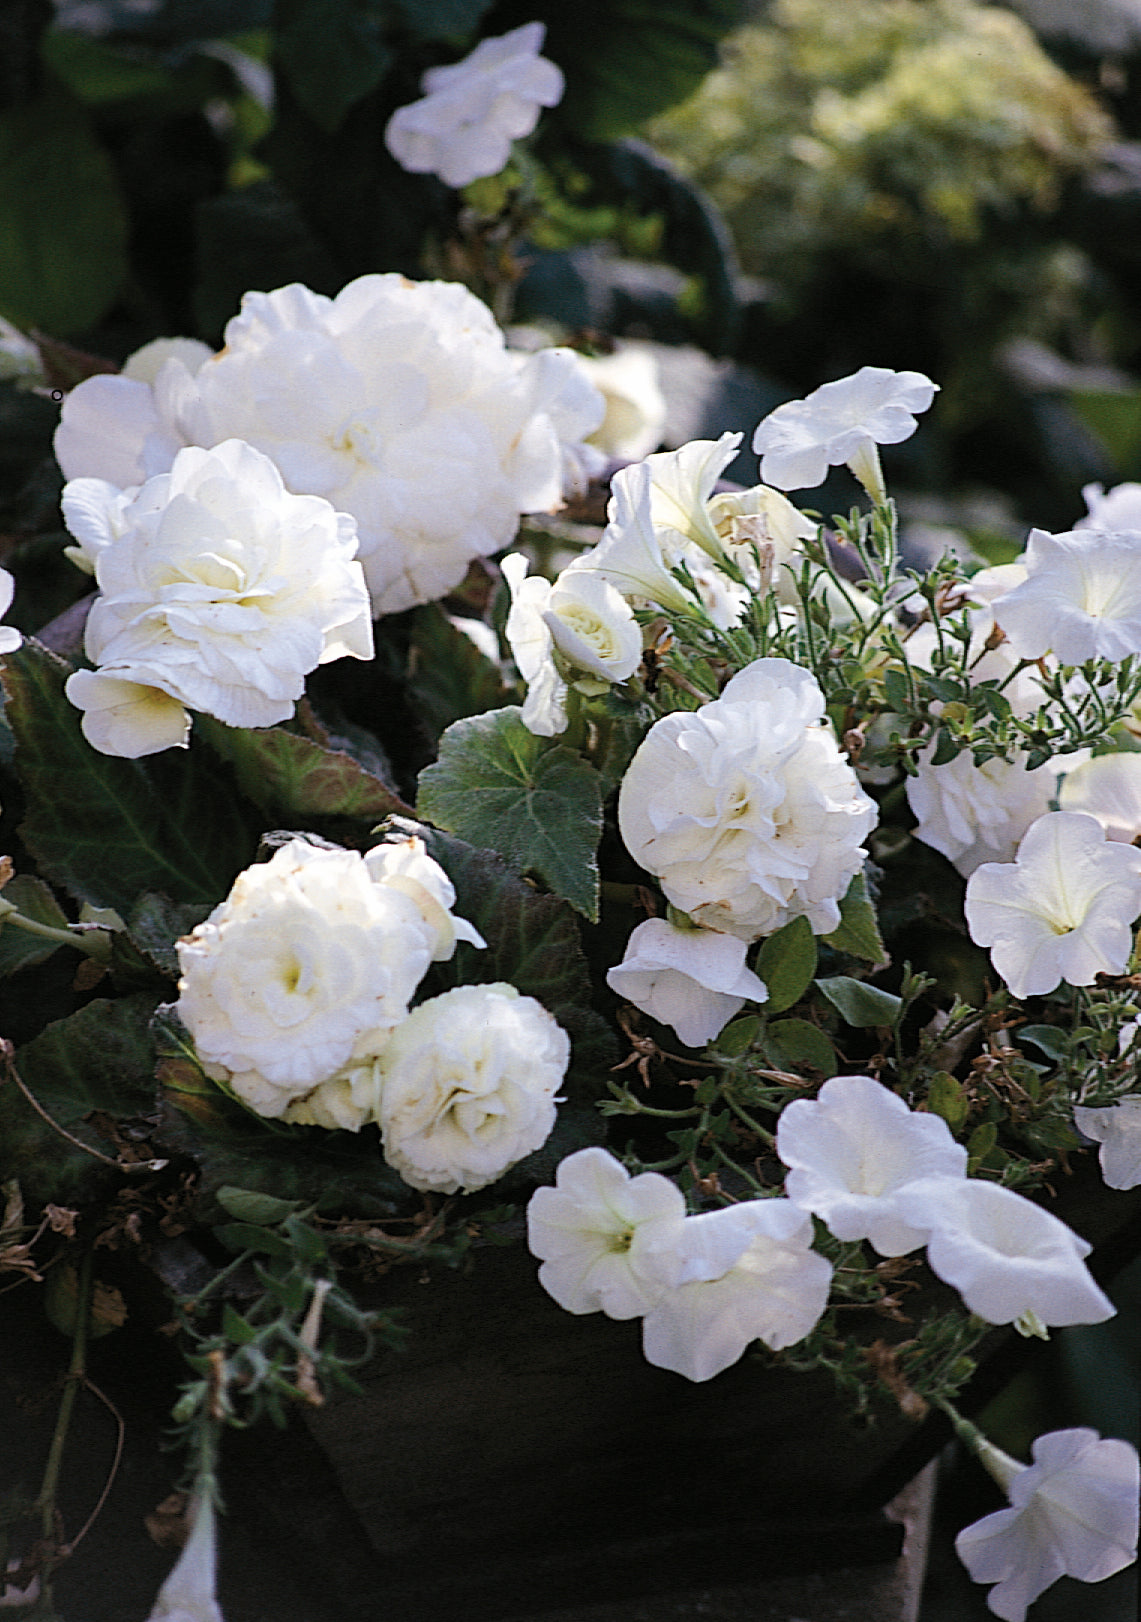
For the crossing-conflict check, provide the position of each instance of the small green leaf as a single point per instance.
(946, 1097)
(249, 1206)
(787, 963)
(1050, 1039)
(235, 1327)
(19, 948)
(738, 1037)
(531, 799)
(896, 690)
(858, 931)
(792, 1042)
(859, 1003)
(239, 1236)
(980, 1144)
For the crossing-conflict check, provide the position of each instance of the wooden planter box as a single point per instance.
(516, 1458)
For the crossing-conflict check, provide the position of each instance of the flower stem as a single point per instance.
(95, 942)
(77, 1368)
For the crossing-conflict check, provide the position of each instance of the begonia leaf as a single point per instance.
(292, 777)
(531, 799)
(100, 1058)
(787, 963)
(107, 829)
(450, 677)
(532, 942)
(443, 18)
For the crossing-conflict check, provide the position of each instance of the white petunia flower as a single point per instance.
(681, 489)
(1081, 598)
(1062, 910)
(630, 554)
(761, 531)
(853, 1149)
(743, 1273)
(469, 1084)
(397, 401)
(746, 810)
(189, 1594)
(306, 957)
(839, 422)
(10, 638)
(1006, 1256)
(1112, 510)
(220, 589)
(1107, 787)
(692, 979)
(1118, 1129)
(597, 1233)
(1073, 1513)
(471, 111)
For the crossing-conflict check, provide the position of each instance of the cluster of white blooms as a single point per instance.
(1062, 910)
(219, 592)
(746, 810)
(471, 111)
(296, 991)
(870, 1168)
(396, 401)
(704, 1286)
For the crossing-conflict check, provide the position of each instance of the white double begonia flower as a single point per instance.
(1006, 1256)
(306, 958)
(1118, 1129)
(1073, 1513)
(853, 1149)
(746, 1272)
(597, 1233)
(1062, 910)
(975, 814)
(397, 401)
(629, 381)
(189, 1594)
(219, 589)
(405, 865)
(1081, 598)
(580, 620)
(746, 810)
(694, 980)
(469, 1084)
(1107, 787)
(842, 421)
(471, 111)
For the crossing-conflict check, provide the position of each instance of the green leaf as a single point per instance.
(239, 1236)
(532, 943)
(450, 677)
(791, 1042)
(980, 1144)
(19, 948)
(858, 931)
(98, 73)
(859, 1003)
(332, 53)
(100, 1058)
(63, 246)
(107, 829)
(1051, 1039)
(737, 1039)
(626, 60)
(787, 963)
(293, 778)
(156, 923)
(249, 1206)
(946, 1097)
(531, 799)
